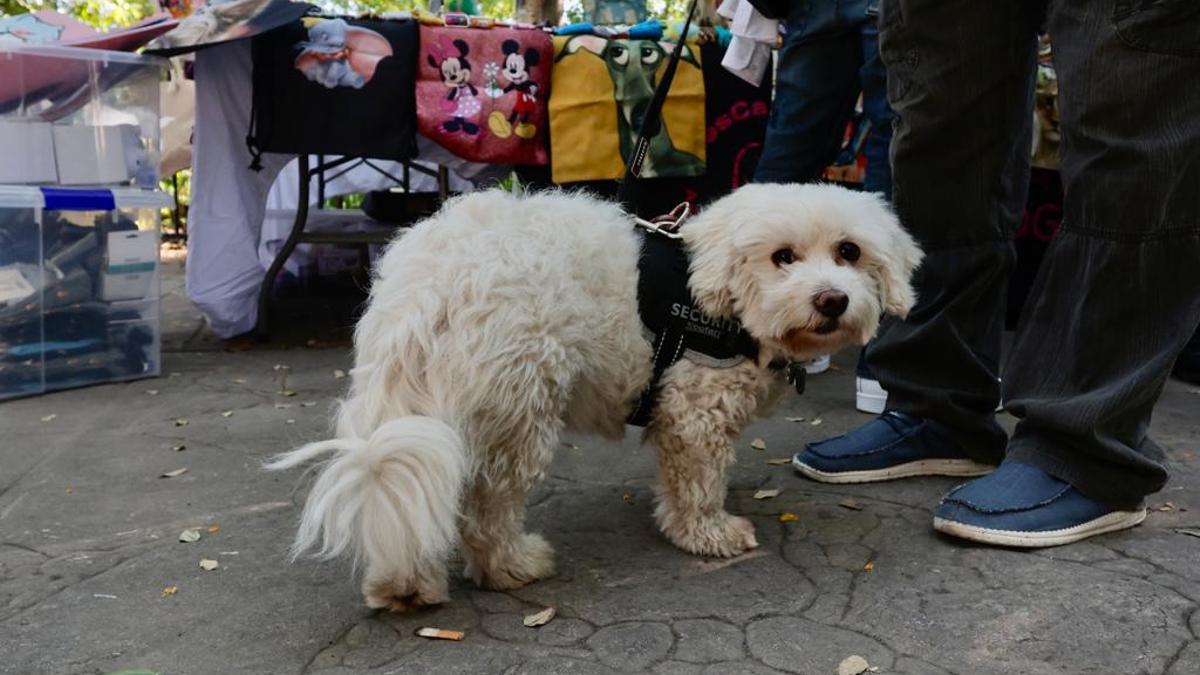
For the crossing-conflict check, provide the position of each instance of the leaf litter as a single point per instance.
(767, 494)
(539, 618)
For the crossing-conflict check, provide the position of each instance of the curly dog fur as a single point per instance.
(502, 321)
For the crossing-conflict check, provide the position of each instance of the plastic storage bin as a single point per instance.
(79, 287)
(72, 116)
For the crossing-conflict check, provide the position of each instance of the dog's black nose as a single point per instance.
(831, 303)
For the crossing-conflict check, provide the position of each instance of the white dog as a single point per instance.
(502, 320)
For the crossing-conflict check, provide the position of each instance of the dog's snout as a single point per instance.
(831, 303)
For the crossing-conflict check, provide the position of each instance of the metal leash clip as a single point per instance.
(667, 224)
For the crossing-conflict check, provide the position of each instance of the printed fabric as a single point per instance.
(481, 94)
(336, 86)
(601, 89)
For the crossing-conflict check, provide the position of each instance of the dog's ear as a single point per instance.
(896, 263)
(712, 272)
(591, 43)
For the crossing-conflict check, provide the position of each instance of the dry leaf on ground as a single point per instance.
(239, 380)
(208, 564)
(816, 422)
(170, 590)
(1188, 531)
(176, 472)
(850, 503)
(307, 404)
(179, 448)
(788, 517)
(869, 566)
(794, 419)
(152, 392)
(49, 418)
(779, 461)
(539, 618)
(1164, 507)
(852, 665)
(227, 413)
(289, 421)
(441, 634)
(758, 444)
(282, 406)
(767, 494)
(287, 392)
(214, 528)
(189, 536)
(181, 422)
(339, 374)
(627, 498)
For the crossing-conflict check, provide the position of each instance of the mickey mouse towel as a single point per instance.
(481, 94)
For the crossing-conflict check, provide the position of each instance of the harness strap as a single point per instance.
(652, 121)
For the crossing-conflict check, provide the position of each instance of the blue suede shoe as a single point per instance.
(1021, 505)
(893, 445)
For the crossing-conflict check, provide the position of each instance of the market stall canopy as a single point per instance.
(48, 27)
(224, 21)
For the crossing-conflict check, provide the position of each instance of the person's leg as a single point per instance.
(1116, 299)
(815, 88)
(870, 396)
(873, 76)
(1187, 367)
(960, 79)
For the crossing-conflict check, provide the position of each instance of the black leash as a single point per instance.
(652, 121)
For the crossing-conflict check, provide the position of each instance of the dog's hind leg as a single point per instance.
(512, 455)
(500, 553)
(700, 413)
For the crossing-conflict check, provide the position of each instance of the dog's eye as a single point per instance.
(649, 56)
(783, 256)
(620, 56)
(849, 251)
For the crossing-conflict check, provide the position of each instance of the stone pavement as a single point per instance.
(89, 541)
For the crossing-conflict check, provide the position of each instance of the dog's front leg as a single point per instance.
(699, 414)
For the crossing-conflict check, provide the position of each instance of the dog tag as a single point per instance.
(796, 375)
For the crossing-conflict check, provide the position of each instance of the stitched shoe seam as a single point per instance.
(951, 498)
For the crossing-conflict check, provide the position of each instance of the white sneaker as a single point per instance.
(817, 366)
(869, 396)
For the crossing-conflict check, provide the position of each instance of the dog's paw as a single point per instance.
(398, 596)
(722, 537)
(513, 566)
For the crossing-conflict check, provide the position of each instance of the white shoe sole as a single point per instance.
(869, 397)
(818, 365)
(962, 468)
(1111, 522)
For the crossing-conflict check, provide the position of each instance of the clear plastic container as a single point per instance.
(71, 116)
(79, 287)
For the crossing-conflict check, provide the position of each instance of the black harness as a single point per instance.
(674, 321)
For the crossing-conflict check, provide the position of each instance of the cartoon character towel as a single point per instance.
(601, 91)
(336, 86)
(481, 94)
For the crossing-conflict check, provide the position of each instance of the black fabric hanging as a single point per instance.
(335, 86)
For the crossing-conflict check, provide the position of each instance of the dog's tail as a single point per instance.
(391, 499)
